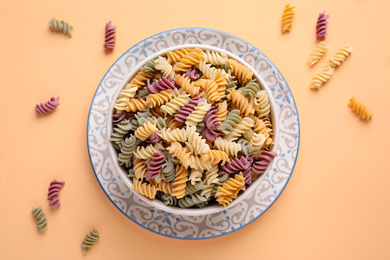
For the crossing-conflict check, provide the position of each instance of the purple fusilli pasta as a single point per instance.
(48, 106)
(263, 161)
(160, 85)
(211, 119)
(185, 111)
(321, 26)
(155, 165)
(237, 165)
(54, 190)
(209, 135)
(191, 73)
(154, 138)
(109, 43)
(117, 118)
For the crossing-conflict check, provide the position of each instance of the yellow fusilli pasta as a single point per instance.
(360, 109)
(243, 73)
(144, 131)
(135, 105)
(188, 86)
(191, 59)
(145, 189)
(287, 18)
(158, 99)
(340, 56)
(242, 102)
(318, 52)
(180, 182)
(229, 191)
(198, 114)
(322, 77)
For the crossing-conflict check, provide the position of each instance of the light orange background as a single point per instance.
(336, 205)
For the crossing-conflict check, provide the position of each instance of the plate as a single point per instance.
(185, 226)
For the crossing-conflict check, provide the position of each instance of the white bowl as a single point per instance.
(156, 203)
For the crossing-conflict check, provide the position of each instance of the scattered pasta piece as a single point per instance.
(318, 52)
(40, 218)
(321, 26)
(287, 18)
(48, 106)
(61, 26)
(53, 192)
(340, 56)
(360, 109)
(110, 34)
(89, 241)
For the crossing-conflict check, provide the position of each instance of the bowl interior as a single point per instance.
(210, 209)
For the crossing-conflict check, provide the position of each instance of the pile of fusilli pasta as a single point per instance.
(190, 125)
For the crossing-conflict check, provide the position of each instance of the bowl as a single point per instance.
(156, 203)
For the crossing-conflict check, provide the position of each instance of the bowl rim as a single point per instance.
(156, 203)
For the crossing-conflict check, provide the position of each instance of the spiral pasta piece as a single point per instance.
(263, 107)
(340, 56)
(192, 200)
(130, 91)
(229, 147)
(230, 190)
(192, 74)
(200, 164)
(191, 59)
(160, 85)
(230, 122)
(198, 114)
(154, 167)
(135, 105)
(198, 143)
(221, 112)
(159, 98)
(360, 109)
(261, 127)
(195, 176)
(147, 151)
(61, 26)
(215, 58)
(251, 89)
(242, 102)
(322, 77)
(287, 18)
(89, 241)
(245, 124)
(318, 52)
(179, 152)
(163, 65)
(188, 86)
(175, 104)
(149, 66)
(243, 73)
(144, 188)
(53, 192)
(139, 168)
(257, 141)
(321, 26)
(120, 131)
(177, 55)
(211, 90)
(179, 184)
(110, 34)
(262, 162)
(48, 106)
(216, 156)
(143, 132)
(40, 218)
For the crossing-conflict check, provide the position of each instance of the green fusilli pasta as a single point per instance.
(61, 26)
(40, 218)
(89, 240)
